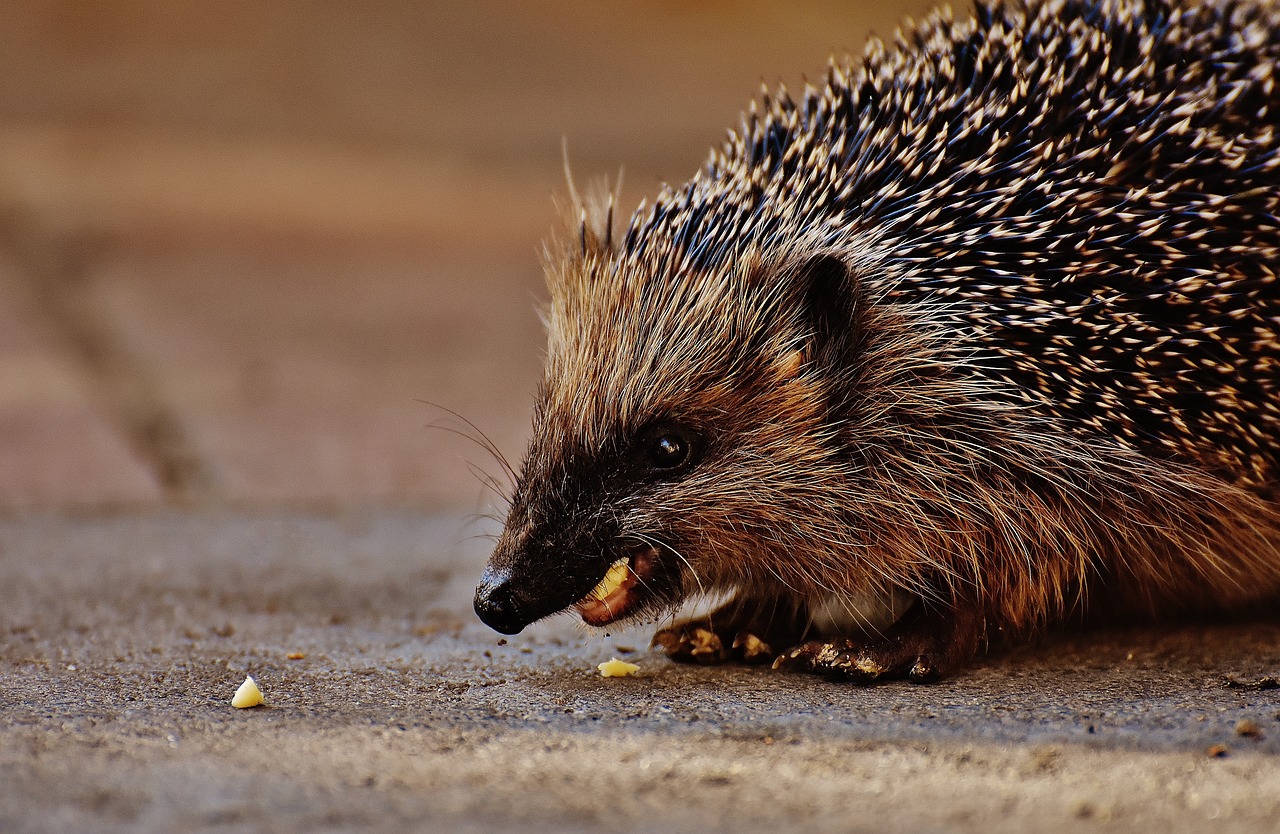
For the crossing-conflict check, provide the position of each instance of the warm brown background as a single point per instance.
(245, 241)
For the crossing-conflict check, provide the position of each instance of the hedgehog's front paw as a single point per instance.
(921, 648)
(743, 630)
(696, 642)
(691, 643)
(850, 660)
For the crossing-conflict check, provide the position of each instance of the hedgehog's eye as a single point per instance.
(667, 451)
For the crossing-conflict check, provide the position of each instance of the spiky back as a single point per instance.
(1088, 192)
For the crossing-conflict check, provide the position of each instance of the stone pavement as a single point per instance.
(251, 258)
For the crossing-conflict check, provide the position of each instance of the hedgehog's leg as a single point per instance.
(746, 629)
(922, 647)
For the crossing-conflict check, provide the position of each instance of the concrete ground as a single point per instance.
(390, 708)
(251, 255)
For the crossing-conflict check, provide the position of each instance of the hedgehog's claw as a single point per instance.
(694, 643)
(922, 649)
(741, 631)
(850, 660)
(691, 643)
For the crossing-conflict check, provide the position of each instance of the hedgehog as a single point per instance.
(979, 336)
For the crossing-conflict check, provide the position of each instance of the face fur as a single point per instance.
(682, 434)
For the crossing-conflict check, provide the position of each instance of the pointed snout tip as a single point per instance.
(496, 606)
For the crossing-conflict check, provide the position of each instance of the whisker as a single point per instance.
(479, 438)
(659, 545)
(488, 481)
(476, 518)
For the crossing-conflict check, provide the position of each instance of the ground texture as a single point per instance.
(389, 707)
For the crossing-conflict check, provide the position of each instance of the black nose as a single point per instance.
(496, 604)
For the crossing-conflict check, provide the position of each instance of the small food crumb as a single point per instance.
(295, 655)
(1218, 751)
(617, 668)
(1248, 729)
(248, 695)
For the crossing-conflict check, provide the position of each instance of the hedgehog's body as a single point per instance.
(990, 325)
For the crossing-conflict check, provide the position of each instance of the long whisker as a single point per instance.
(476, 518)
(460, 433)
(489, 482)
(475, 435)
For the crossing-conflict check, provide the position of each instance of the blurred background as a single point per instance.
(246, 249)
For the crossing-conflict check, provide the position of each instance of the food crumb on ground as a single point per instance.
(1248, 728)
(295, 656)
(248, 695)
(1218, 751)
(617, 668)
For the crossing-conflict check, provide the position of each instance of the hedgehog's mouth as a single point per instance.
(621, 592)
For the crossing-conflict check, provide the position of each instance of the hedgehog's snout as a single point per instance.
(496, 602)
(525, 582)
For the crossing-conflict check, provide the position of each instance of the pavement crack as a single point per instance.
(59, 267)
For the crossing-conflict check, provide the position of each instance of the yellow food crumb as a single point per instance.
(295, 655)
(617, 668)
(248, 695)
(612, 580)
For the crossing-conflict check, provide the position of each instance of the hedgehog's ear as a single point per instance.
(829, 306)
